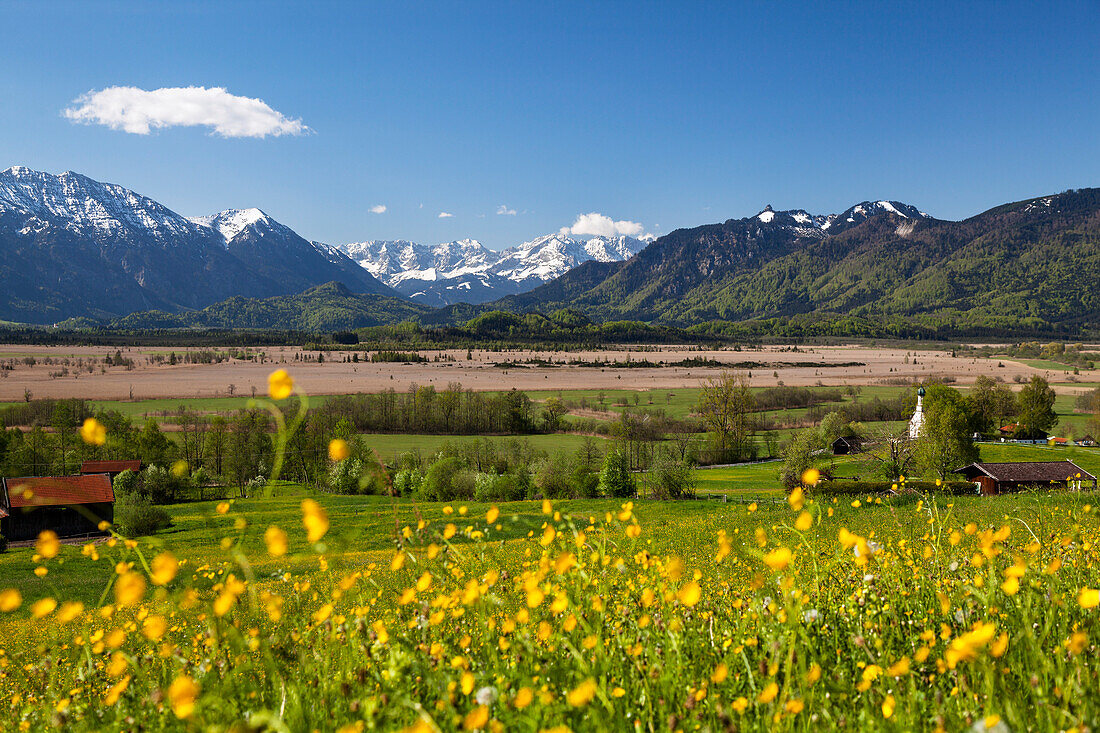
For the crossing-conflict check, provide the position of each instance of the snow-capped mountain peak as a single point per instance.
(231, 222)
(466, 270)
(81, 205)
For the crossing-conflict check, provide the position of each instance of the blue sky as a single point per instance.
(664, 114)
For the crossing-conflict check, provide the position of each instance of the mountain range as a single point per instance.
(61, 233)
(1025, 266)
(76, 248)
(466, 271)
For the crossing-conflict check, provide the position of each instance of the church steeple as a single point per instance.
(916, 423)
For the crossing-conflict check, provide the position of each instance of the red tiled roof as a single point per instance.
(1029, 471)
(32, 491)
(109, 466)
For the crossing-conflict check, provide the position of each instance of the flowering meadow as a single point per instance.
(345, 613)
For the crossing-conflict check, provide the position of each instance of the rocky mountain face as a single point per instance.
(466, 271)
(73, 246)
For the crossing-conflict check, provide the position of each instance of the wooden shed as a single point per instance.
(1000, 478)
(111, 468)
(843, 446)
(68, 505)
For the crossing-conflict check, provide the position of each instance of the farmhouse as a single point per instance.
(68, 505)
(999, 478)
(111, 468)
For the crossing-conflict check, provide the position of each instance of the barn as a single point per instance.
(111, 468)
(68, 505)
(1000, 478)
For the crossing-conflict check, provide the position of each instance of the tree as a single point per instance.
(725, 405)
(945, 443)
(798, 456)
(1036, 401)
(615, 477)
(553, 412)
(991, 403)
(216, 442)
(151, 443)
(888, 452)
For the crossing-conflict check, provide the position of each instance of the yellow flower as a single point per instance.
(69, 611)
(1089, 598)
(118, 665)
(43, 607)
(276, 541)
(811, 476)
(179, 468)
(129, 588)
(280, 384)
(1077, 642)
(321, 614)
(1000, 646)
(548, 536)
(689, 593)
(796, 498)
(804, 522)
(768, 693)
(154, 627)
(476, 718)
(222, 507)
(633, 531)
(165, 567)
(491, 515)
(888, 706)
(1010, 587)
(338, 449)
(315, 520)
(93, 432)
(582, 694)
(778, 559)
(523, 698)
(182, 694)
(740, 704)
(719, 674)
(116, 691)
(47, 545)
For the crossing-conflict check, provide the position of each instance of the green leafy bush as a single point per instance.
(136, 516)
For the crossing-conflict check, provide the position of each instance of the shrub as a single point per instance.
(127, 483)
(671, 479)
(136, 516)
(615, 477)
(3, 543)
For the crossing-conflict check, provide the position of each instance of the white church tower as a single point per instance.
(916, 423)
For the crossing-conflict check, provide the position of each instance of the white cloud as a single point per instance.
(604, 226)
(503, 210)
(445, 215)
(139, 111)
(379, 209)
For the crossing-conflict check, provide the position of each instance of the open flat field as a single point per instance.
(85, 375)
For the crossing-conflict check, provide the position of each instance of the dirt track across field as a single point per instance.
(81, 372)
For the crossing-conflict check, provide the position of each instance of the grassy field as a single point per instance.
(591, 615)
